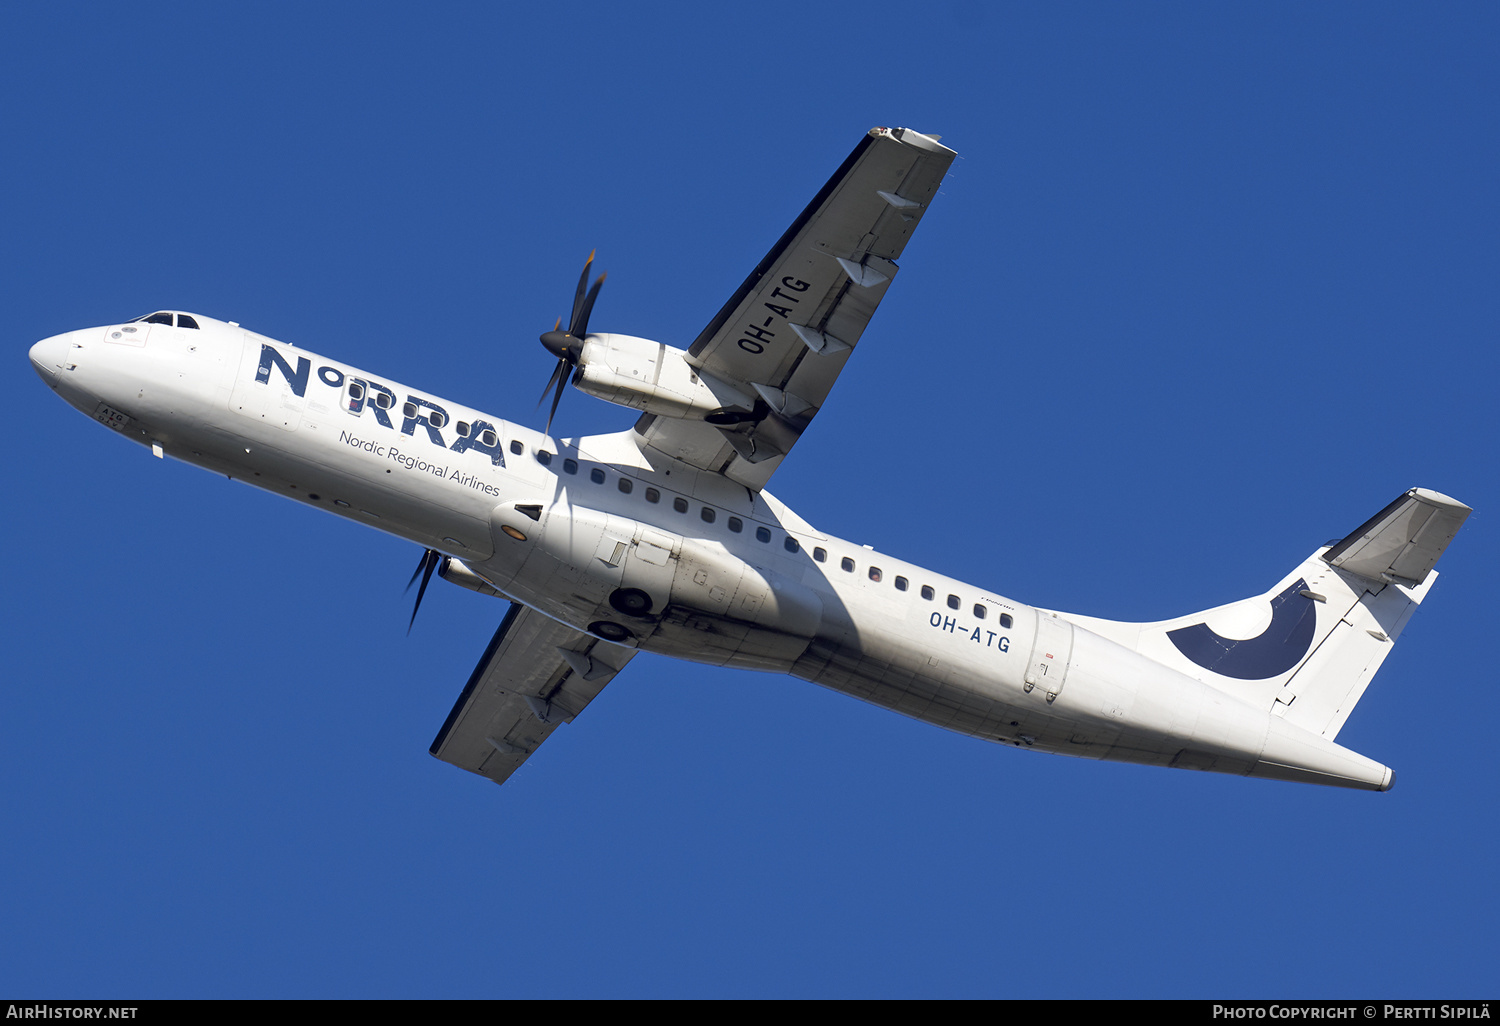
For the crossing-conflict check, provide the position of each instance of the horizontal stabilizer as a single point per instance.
(1402, 541)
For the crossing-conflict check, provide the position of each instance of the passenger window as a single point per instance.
(953, 602)
(384, 400)
(570, 466)
(489, 438)
(875, 574)
(436, 418)
(652, 495)
(462, 428)
(680, 504)
(1005, 620)
(626, 485)
(596, 475)
(409, 410)
(708, 514)
(763, 534)
(791, 544)
(736, 524)
(978, 611)
(928, 593)
(820, 554)
(516, 447)
(544, 457)
(847, 564)
(901, 583)
(184, 321)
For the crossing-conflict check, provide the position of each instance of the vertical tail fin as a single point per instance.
(1391, 555)
(1307, 649)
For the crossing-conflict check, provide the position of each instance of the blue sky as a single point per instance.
(1208, 286)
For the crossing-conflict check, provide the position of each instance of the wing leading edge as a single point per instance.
(785, 334)
(535, 674)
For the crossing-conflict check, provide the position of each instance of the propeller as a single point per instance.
(567, 346)
(430, 560)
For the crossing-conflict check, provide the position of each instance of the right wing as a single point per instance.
(535, 674)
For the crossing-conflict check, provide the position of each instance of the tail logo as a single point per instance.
(1281, 646)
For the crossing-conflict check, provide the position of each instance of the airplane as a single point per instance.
(664, 538)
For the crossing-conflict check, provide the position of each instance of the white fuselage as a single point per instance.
(666, 558)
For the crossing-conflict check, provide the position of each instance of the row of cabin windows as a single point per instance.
(763, 534)
(902, 584)
(707, 514)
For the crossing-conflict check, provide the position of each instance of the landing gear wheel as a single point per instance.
(610, 631)
(631, 601)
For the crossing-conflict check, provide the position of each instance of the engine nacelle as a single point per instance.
(456, 571)
(654, 378)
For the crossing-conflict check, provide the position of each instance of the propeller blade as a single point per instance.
(429, 563)
(550, 381)
(580, 326)
(557, 398)
(583, 283)
(567, 346)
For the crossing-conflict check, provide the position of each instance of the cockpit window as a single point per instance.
(159, 318)
(184, 321)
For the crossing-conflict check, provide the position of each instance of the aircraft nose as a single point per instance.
(50, 356)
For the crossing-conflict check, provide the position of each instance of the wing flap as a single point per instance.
(535, 674)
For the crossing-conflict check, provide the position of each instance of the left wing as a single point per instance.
(783, 337)
(535, 674)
